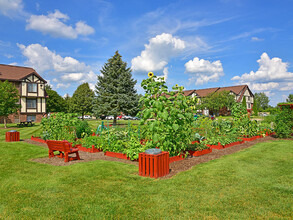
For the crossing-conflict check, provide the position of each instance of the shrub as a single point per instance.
(284, 123)
(60, 126)
(171, 127)
(82, 129)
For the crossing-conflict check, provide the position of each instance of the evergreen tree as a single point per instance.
(115, 89)
(55, 103)
(82, 100)
(9, 99)
(244, 102)
(254, 108)
(290, 98)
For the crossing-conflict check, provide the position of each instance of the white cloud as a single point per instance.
(69, 69)
(269, 93)
(255, 39)
(54, 25)
(263, 86)
(270, 70)
(157, 53)
(43, 59)
(204, 71)
(272, 75)
(287, 87)
(62, 85)
(11, 8)
(79, 77)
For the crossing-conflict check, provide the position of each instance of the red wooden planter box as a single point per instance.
(38, 139)
(176, 158)
(11, 136)
(117, 155)
(200, 152)
(251, 138)
(233, 144)
(218, 147)
(154, 166)
(90, 150)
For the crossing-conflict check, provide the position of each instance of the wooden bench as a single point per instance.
(64, 148)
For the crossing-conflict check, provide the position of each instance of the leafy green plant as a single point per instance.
(171, 114)
(197, 147)
(60, 126)
(82, 129)
(284, 122)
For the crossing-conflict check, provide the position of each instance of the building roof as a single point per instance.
(238, 90)
(16, 73)
(205, 92)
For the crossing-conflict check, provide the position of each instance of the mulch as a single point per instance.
(175, 167)
(84, 157)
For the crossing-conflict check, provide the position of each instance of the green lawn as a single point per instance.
(254, 183)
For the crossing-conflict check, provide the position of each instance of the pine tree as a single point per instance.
(82, 100)
(244, 102)
(254, 108)
(115, 89)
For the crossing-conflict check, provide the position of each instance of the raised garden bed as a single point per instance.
(38, 139)
(90, 150)
(117, 155)
(176, 158)
(251, 138)
(218, 147)
(200, 152)
(233, 144)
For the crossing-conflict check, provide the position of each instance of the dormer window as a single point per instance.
(32, 87)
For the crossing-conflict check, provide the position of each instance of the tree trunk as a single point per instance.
(115, 120)
(82, 116)
(5, 122)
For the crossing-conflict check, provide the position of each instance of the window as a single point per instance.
(31, 103)
(248, 98)
(249, 106)
(31, 118)
(32, 87)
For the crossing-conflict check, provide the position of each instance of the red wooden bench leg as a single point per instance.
(66, 157)
(77, 156)
(51, 153)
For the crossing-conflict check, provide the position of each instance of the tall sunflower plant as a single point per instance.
(166, 115)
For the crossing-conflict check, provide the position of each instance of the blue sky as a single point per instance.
(197, 44)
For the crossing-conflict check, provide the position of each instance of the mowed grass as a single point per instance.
(36, 130)
(253, 183)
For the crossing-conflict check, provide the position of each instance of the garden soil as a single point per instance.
(175, 167)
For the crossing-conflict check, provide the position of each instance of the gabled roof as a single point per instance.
(235, 89)
(205, 92)
(16, 73)
(238, 90)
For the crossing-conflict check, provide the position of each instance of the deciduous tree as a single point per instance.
(82, 100)
(261, 101)
(215, 101)
(9, 99)
(54, 103)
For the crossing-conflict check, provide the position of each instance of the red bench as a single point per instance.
(64, 148)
